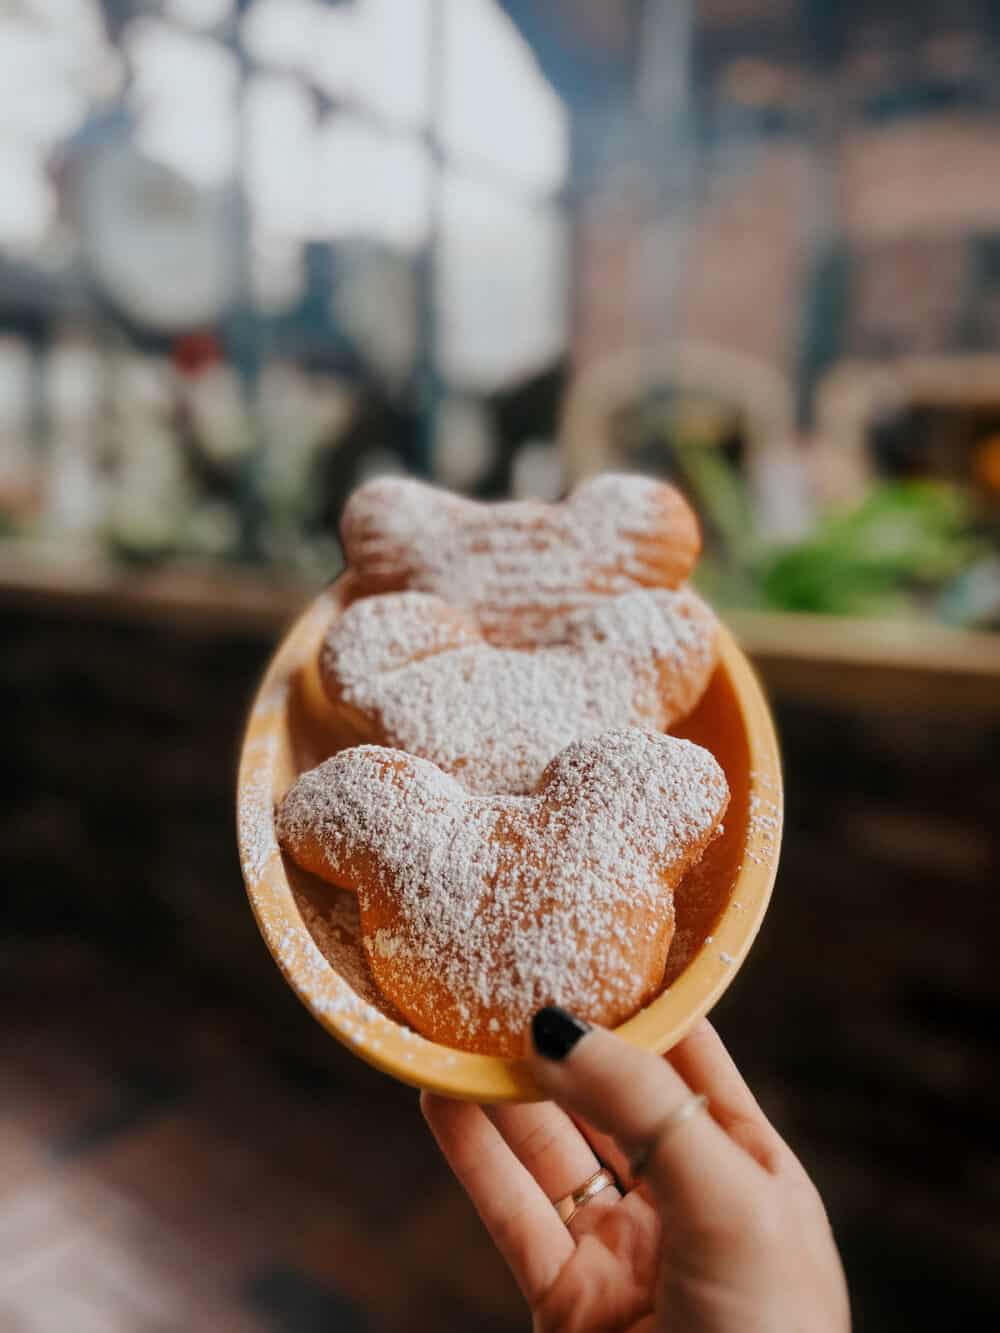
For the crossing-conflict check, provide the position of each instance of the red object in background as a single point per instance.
(197, 352)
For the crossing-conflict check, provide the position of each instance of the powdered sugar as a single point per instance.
(335, 924)
(491, 906)
(272, 700)
(257, 840)
(521, 564)
(764, 826)
(418, 676)
(328, 966)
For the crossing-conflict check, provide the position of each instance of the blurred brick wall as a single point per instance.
(739, 269)
(926, 176)
(118, 810)
(905, 198)
(741, 286)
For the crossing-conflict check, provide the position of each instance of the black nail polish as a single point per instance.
(555, 1032)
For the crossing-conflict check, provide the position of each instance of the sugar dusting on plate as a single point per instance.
(257, 840)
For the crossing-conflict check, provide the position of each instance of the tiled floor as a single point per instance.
(164, 1167)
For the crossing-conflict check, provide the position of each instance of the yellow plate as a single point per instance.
(311, 929)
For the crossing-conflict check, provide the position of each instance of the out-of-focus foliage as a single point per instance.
(898, 548)
(908, 547)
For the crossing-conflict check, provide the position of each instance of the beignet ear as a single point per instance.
(520, 566)
(350, 819)
(388, 521)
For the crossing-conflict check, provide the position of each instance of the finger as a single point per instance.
(524, 1225)
(694, 1166)
(547, 1142)
(705, 1065)
(607, 1151)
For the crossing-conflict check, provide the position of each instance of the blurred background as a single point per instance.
(253, 252)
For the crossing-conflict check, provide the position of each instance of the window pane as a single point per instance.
(281, 33)
(27, 201)
(372, 53)
(339, 177)
(280, 127)
(184, 91)
(502, 267)
(199, 13)
(371, 184)
(497, 108)
(51, 62)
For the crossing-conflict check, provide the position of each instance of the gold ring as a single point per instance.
(639, 1160)
(570, 1204)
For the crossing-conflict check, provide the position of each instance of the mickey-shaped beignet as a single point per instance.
(408, 671)
(520, 566)
(476, 910)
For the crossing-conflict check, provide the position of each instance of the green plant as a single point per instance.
(904, 541)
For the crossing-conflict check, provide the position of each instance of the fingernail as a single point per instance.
(555, 1032)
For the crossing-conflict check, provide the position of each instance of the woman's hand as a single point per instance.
(725, 1234)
